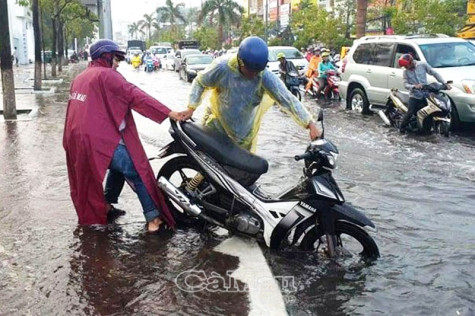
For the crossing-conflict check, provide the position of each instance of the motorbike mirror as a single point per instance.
(450, 82)
(320, 116)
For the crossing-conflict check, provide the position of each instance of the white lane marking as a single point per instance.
(264, 292)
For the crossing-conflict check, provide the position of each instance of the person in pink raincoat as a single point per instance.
(100, 134)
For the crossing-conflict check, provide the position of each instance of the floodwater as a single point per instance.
(419, 192)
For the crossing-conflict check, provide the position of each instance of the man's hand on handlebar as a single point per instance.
(314, 132)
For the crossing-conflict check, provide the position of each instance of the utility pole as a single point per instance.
(105, 19)
(8, 83)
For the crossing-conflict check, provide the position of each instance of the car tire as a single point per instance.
(454, 118)
(358, 101)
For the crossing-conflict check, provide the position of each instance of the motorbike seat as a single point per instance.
(403, 97)
(224, 150)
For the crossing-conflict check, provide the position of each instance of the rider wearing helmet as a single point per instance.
(415, 77)
(286, 67)
(242, 89)
(100, 135)
(312, 70)
(324, 66)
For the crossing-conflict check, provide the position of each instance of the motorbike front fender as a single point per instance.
(351, 214)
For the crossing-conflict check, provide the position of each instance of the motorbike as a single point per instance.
(435, 116)
(210, 180)
(156, 63)
(331, 90)
(149, 65)
(292, 82)
(135, 61)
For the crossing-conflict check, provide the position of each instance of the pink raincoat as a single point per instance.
(100, 99)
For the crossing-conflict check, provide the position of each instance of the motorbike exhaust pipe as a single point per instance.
(384, 117)
(178, 197)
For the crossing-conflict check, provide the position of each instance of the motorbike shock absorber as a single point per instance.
(195, 182)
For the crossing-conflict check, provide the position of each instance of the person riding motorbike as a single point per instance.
(312, 70)
(243, 89)
(415, 77)
(286, 67)
(136, 61)
(324, 66)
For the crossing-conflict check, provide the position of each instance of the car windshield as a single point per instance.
(204, 59)
(290, 53)
(457, 54)
(159, 50)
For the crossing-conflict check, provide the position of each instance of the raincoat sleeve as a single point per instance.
(136, 99)
(434, 73)
(288, 102)
(205, 79)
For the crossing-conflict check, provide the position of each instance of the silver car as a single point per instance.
(371, 70)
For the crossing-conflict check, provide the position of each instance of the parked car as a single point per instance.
(180, 54)
(192, 64)
(168, 61)
(371, 70)
(291, 53)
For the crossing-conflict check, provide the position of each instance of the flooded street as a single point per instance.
(418, 190)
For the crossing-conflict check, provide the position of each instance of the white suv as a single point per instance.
(371, 70)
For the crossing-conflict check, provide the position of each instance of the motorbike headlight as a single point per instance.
(332, 158)
(468, 86)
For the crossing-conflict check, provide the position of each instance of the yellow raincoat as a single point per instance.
(238, 103)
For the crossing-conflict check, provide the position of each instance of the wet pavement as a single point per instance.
(419, 191)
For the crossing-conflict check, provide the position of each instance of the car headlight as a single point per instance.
(192, 71)
(468, 86)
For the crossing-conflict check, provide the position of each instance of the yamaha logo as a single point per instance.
(308, 207)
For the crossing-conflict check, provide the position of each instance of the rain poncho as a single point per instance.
(238, 103)
(100, 101)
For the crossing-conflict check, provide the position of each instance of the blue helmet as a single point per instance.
(253, 52)
(104, 46)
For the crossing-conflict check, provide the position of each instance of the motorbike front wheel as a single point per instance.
(442, 128)
(180, 171)
(295, 91)
(351, 240)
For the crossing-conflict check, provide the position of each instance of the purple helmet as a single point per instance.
(104, 46)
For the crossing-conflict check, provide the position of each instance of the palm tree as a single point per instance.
(171, 13)
(147, 23)
(361, 11)
(228, 12)
(134, 28)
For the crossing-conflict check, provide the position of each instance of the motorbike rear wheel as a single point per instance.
(351, 241)
(179, 171)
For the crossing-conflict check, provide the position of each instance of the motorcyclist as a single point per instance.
(243, 89)
(324, 66)
(136, 61)
(415, 77)
(312, 70)
(285, 67)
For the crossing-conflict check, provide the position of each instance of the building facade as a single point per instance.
(20, 20)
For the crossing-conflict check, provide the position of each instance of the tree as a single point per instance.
(227, 12)
(361, 11)
(428, 16)
(171, 13)
(8, 84)
(37, 35)
(147, 24)
(207, 37)
(251, 26)
(134, 28)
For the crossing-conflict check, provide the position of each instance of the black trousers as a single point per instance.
(414, 106)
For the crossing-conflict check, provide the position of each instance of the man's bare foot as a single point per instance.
(154, 226)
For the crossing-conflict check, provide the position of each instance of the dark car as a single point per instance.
(192, 64)
(180, 55)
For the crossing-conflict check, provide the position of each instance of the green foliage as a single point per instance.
(314, 24)
(429, 16)
(251, 25)
(207, 37)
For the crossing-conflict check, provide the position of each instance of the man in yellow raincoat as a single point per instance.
(243, 89)
(312, 71)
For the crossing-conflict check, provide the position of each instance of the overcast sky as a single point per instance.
(129, 11)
